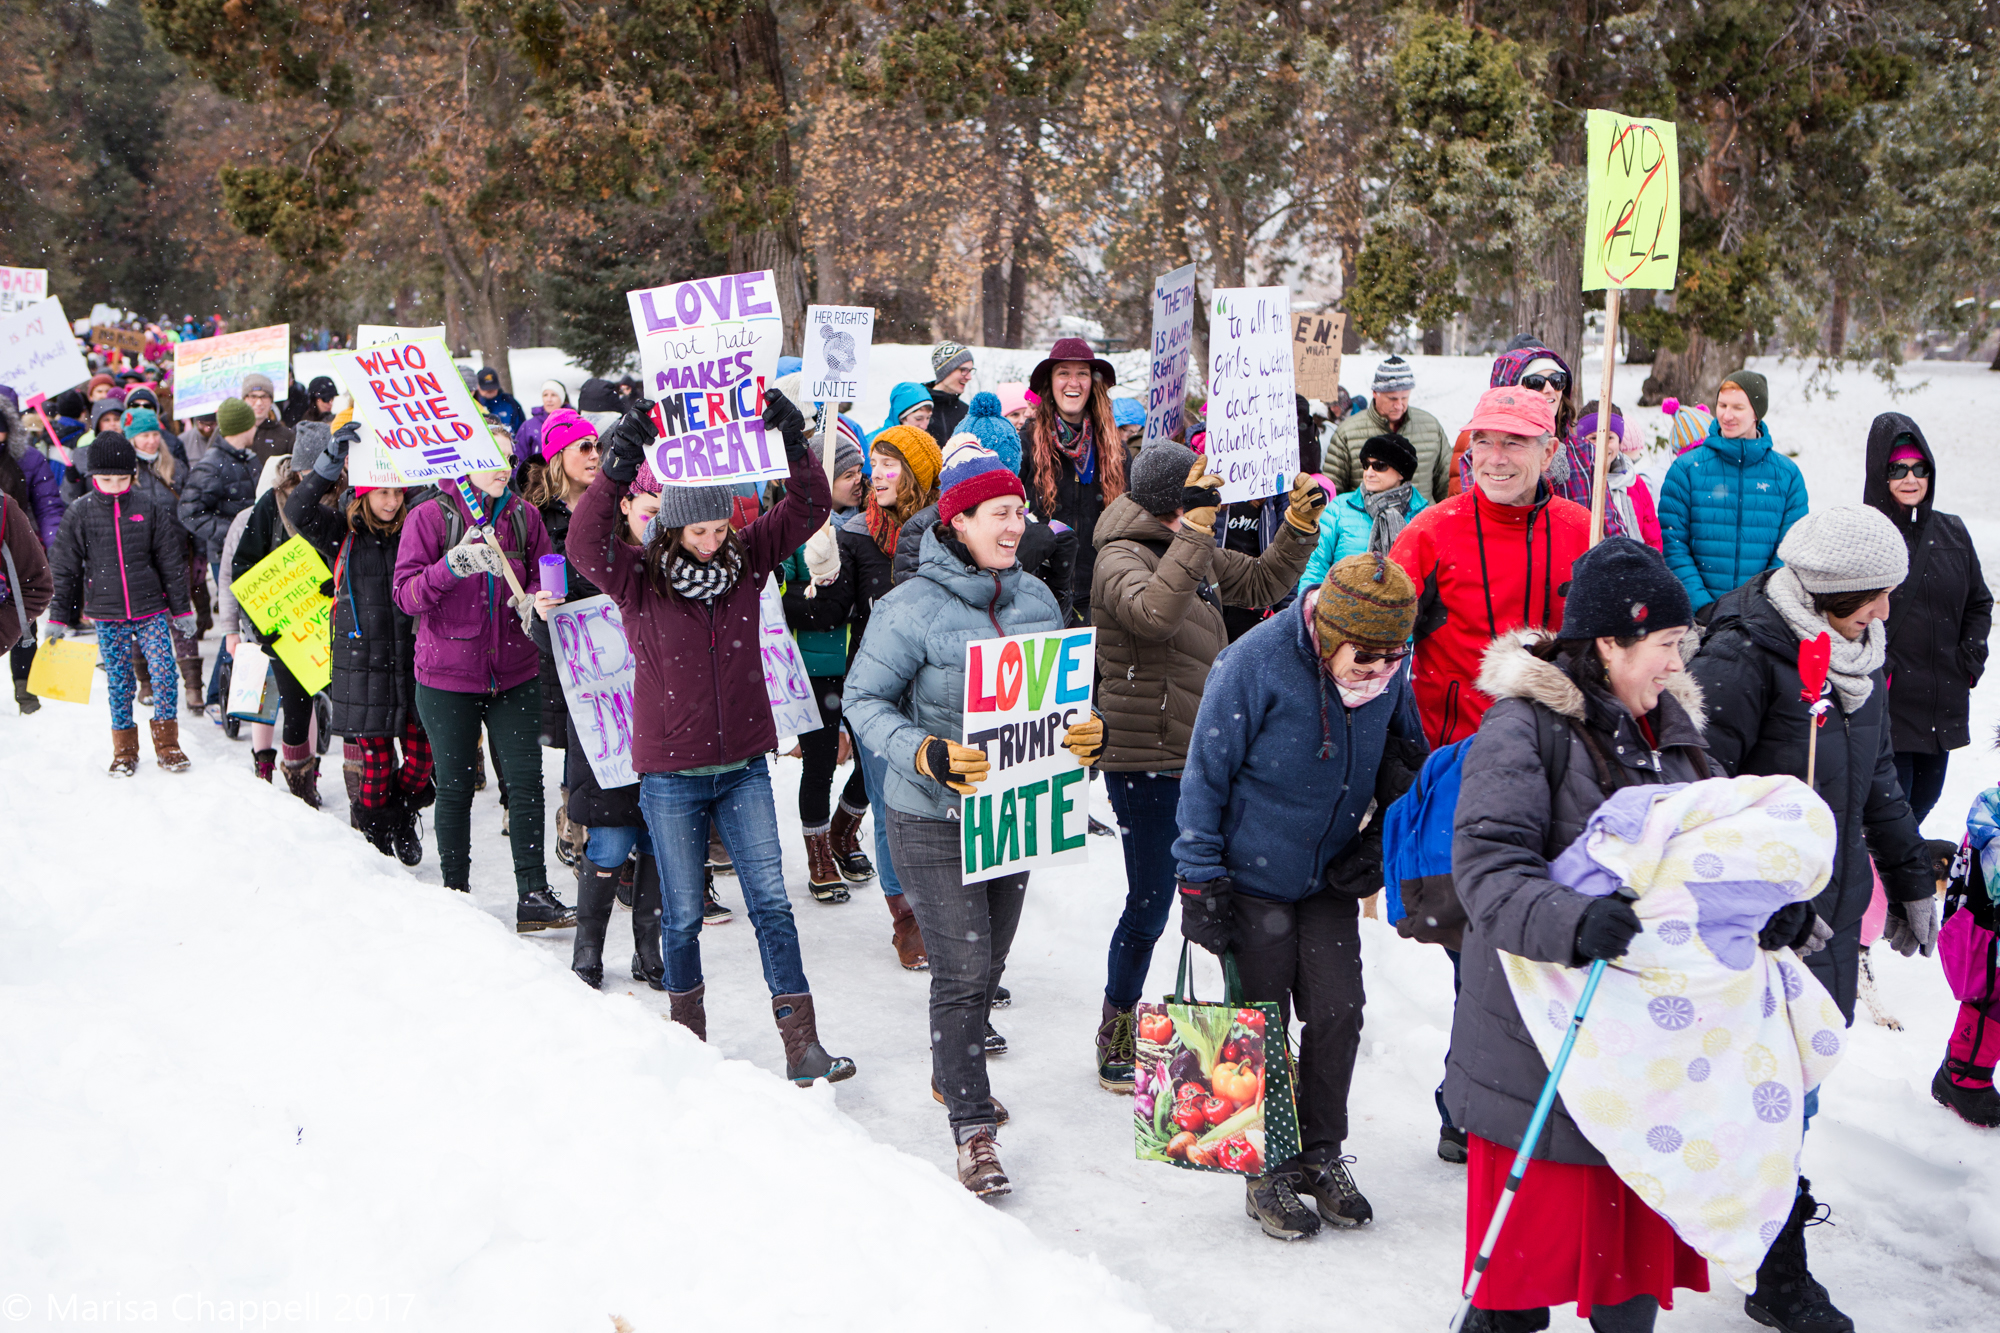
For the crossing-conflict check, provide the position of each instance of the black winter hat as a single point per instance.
(599, 396)
(322, 388)
(1394, 450)
(111, 455)
(1620, 589)
(1158, 475)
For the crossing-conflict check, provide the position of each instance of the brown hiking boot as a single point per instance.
(124, 752)
(303, 779)
(685, 1007)
(191, 682)
(907, 936)
(805, 1059)
(167, 751)
(979, 1167)
(845, 831)
(822, 876)
(1000, 1116)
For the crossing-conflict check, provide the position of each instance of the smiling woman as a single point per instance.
(1074, 462)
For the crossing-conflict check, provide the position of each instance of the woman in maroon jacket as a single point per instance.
(476, 667)
(701, 717)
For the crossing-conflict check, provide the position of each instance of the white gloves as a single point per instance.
(1912, 927)
(822, 558)
(473, 556)
(524, 607)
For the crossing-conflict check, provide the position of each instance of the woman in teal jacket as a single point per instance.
(1383, 502)
(1729, 501)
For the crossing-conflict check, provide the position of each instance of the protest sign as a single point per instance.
(374, 335)
(595, 663)
(708, 350)
(1253, 425)
(1633, 230)
(411, 396)
(38, 353)
(253, 684)
(836, 353)
(1022, 693)
(121, 340)
(1173, 342)
(793, 708)
(369, 463)
(21, 288)
(1316, 353)
(281, 594)
(209, 370)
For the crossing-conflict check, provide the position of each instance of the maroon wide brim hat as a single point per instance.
(1069, 349)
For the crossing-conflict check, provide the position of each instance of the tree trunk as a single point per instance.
(485, 295)
(1691, 376)
(993, 291)
(1548, 301)
(1836, 326)
(1638, 352)
(1023, 241)
(830, 279)
(1434, 342)
(777, 249)
(748, 56)
(454, 319)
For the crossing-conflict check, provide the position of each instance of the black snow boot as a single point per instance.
(1272, 1202)
(1505, 1321)
(541, 910)
(25, 701)
(594, 894)
(409, 842)
(1787, 1298)
(1328, 1184)
(377, 824)
(1975, 1106)
(647, 912)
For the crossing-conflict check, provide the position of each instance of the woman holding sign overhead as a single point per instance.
(701, 716)
(905, 700)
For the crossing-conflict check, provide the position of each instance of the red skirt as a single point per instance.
(1575, 1233)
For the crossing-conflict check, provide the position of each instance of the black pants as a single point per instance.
(1922, 776)
(1308, 954)
(296, 707)
(821, 751)
(512, 722)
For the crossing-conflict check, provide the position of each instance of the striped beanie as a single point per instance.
(1395, 375)
(972, 476)
(947, 357)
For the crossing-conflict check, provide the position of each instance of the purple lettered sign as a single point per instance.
(596, 666)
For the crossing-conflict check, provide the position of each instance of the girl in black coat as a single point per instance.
(1938, 619)
(374, 652)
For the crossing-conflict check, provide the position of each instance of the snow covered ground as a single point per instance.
(249, 1059)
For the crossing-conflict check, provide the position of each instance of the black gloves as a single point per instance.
(1607, 929)
(626, 445)
(781, 416)
(1208, 914)
(1789, 927)
(1360, 875)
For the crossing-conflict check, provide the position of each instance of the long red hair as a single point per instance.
(1104, 438)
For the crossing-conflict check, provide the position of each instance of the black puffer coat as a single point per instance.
(1748, 667)
(1530, 783)
(118, 557)
(374, 687)
(222, 485)
(1940, 618)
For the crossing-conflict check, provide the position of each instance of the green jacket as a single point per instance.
(1342, 465)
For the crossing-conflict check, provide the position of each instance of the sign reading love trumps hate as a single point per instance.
(708, 349)
(1021, 694)
(412, 397)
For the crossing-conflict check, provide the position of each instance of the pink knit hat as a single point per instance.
(562, 429)
(1014, 397)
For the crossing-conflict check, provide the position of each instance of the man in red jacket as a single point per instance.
(1488, 561)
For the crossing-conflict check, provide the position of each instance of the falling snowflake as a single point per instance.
(1663, 1138)
(1698, 1070)
(1672, 1012)
(1772, 1102)
(1674, 932)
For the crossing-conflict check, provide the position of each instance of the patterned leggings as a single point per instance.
(155, 637)
(380, 778)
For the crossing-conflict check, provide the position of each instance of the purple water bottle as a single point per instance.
(555, 577)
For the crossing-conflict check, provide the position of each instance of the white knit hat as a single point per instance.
(1849, 549)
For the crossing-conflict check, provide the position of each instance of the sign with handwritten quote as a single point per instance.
(38, 353)
(1022, 694)
(1173, 342)
(1253, 425)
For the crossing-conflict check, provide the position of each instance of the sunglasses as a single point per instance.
(1363, 657)
(1379, 465)
(1556, 378)
(1898, 471)
(588, 447)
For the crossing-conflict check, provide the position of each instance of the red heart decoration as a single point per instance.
(1814, 657)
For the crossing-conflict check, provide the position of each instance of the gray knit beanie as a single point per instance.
(1395, 375)
(682, 505)
(846, 454)
(309, 441)
(1849, 549)
(1158, 475)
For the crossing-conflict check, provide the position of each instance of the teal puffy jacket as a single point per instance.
(1724, 508)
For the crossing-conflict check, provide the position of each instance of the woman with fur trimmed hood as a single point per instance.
(1605, 705)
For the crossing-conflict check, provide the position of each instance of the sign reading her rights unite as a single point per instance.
(1021, 694)
(412, 397)
(708, 348)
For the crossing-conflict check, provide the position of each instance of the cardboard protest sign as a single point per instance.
(281, 594)
(374, 335)
(1253, 425)
(792, 705)
(38, 353)
(596, 665)
(1316, 353)
(208, 370)
(120, 340)
(1022, 693)
(411, 396)
(1173, 343)
(708, 350)
(1632, 229)
(21, 288)
(836, 353)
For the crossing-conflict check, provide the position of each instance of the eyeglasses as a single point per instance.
(1555, 377)
(1363, 657)
(1379, 465)
(1898, 471)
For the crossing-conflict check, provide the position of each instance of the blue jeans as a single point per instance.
(678, 809)
(875, 777)
(610, 847)
(1147, 826)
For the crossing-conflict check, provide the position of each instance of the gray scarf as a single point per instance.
(1391, 510)
(1854, 660)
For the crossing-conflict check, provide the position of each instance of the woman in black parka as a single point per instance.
(1938, 619)
(374, 651)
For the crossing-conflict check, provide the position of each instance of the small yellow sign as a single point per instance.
(1632, 230)
(64, 669)
(281, 593)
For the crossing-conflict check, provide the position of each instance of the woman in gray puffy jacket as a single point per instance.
(904, 700)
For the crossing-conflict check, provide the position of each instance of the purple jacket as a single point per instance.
(469, 639)
(43, 498)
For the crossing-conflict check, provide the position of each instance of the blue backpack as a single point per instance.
(1416, 832)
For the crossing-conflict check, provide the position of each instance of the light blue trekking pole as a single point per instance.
(1543, 1105)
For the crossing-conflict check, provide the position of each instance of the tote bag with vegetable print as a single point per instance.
(1212, 1083)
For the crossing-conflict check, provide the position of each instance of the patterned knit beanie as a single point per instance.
(972, 476)
(947, 357)
(1367, 601)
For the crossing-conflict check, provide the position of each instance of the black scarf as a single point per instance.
(703, 580)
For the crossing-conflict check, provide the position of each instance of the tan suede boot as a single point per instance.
(167, 751)
(124, 752)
